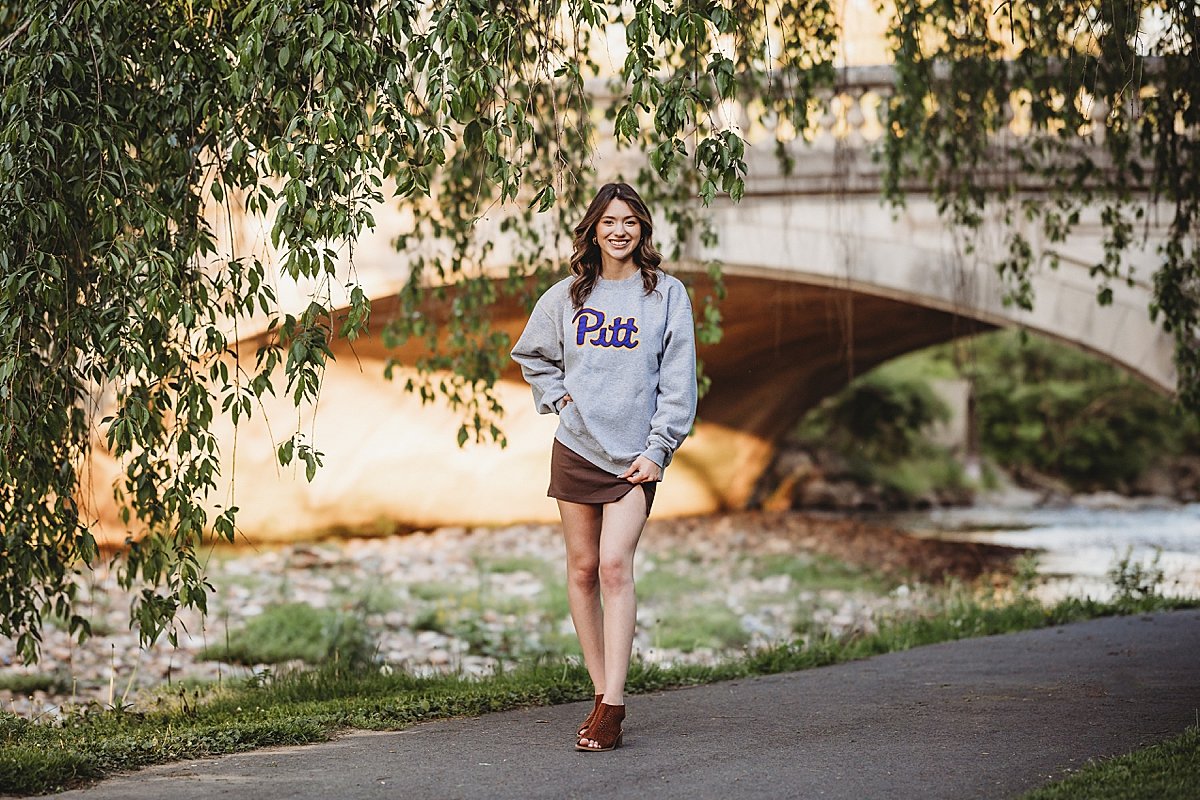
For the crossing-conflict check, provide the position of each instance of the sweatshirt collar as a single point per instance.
(634, 279)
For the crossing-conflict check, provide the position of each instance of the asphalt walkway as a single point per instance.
(981, 718)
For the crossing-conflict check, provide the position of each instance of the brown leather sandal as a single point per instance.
(590, 717)
(605, 731)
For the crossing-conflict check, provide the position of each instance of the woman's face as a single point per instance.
(618, 231)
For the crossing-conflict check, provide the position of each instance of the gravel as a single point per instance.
(466, 600)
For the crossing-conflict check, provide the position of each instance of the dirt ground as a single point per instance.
(861, 542)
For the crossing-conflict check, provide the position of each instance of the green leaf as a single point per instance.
(544, 199)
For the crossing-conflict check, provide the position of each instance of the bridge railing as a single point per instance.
(836, 153)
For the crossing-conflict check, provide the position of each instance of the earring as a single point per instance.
(595, 241)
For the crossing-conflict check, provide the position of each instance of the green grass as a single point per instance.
(665, 580)
(710, 625)
(430, 591)
(552, 601)
(505, 565)
(817, 572)
(377, 597)
(295, 631)
(1166, 771)
(254, 582)
(505, 642)
(311, 705)
(28, 683)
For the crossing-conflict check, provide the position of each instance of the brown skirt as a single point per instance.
(575, 479)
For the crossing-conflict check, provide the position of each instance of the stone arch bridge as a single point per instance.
(824, 282)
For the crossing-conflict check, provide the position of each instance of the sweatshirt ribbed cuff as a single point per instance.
(658, 454)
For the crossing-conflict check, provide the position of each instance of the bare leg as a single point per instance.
(581, 532)
(622, 527)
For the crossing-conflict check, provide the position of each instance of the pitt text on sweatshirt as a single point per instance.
(628, 361)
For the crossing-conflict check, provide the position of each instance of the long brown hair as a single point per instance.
(585, 260)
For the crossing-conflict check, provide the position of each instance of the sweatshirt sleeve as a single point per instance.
(676, 408)
(539, 352)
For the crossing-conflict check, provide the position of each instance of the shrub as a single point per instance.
(878, 417)
(1064, 413)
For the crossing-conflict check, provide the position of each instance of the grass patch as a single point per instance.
(253, 582)
(311, 705)
(499, 642)
(506, 565)
(561, 643)
(450, 612)
(1166, 771)
(431, 591)
(28, 683)
(552, 601)
(820, 572)
(501, 637)
(295, 631)
(666, 580)
(712, 625)
(376, 598)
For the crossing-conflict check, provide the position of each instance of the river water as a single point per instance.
(1078, 544)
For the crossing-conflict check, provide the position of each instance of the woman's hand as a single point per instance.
(643, 470)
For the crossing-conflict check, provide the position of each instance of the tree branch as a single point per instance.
(24, 26)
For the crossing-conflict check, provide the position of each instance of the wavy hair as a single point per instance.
(586, 260)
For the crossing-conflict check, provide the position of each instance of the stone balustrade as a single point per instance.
(835, 153)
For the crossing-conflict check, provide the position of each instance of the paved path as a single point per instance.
(986, 718)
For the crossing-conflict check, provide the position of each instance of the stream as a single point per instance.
(1078, 544)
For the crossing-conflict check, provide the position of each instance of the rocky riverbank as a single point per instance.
(456, 599)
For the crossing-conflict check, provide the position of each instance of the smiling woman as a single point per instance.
(621, 373)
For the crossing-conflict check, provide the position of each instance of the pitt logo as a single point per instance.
(619, 333)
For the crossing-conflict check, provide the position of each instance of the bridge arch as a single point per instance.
(859, 245)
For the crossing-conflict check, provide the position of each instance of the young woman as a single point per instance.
(612, 351)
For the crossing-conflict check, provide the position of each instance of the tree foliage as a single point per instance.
(1064, 413)
(880, 418)
(131, 134)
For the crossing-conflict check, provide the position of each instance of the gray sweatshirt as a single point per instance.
(628, 361)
